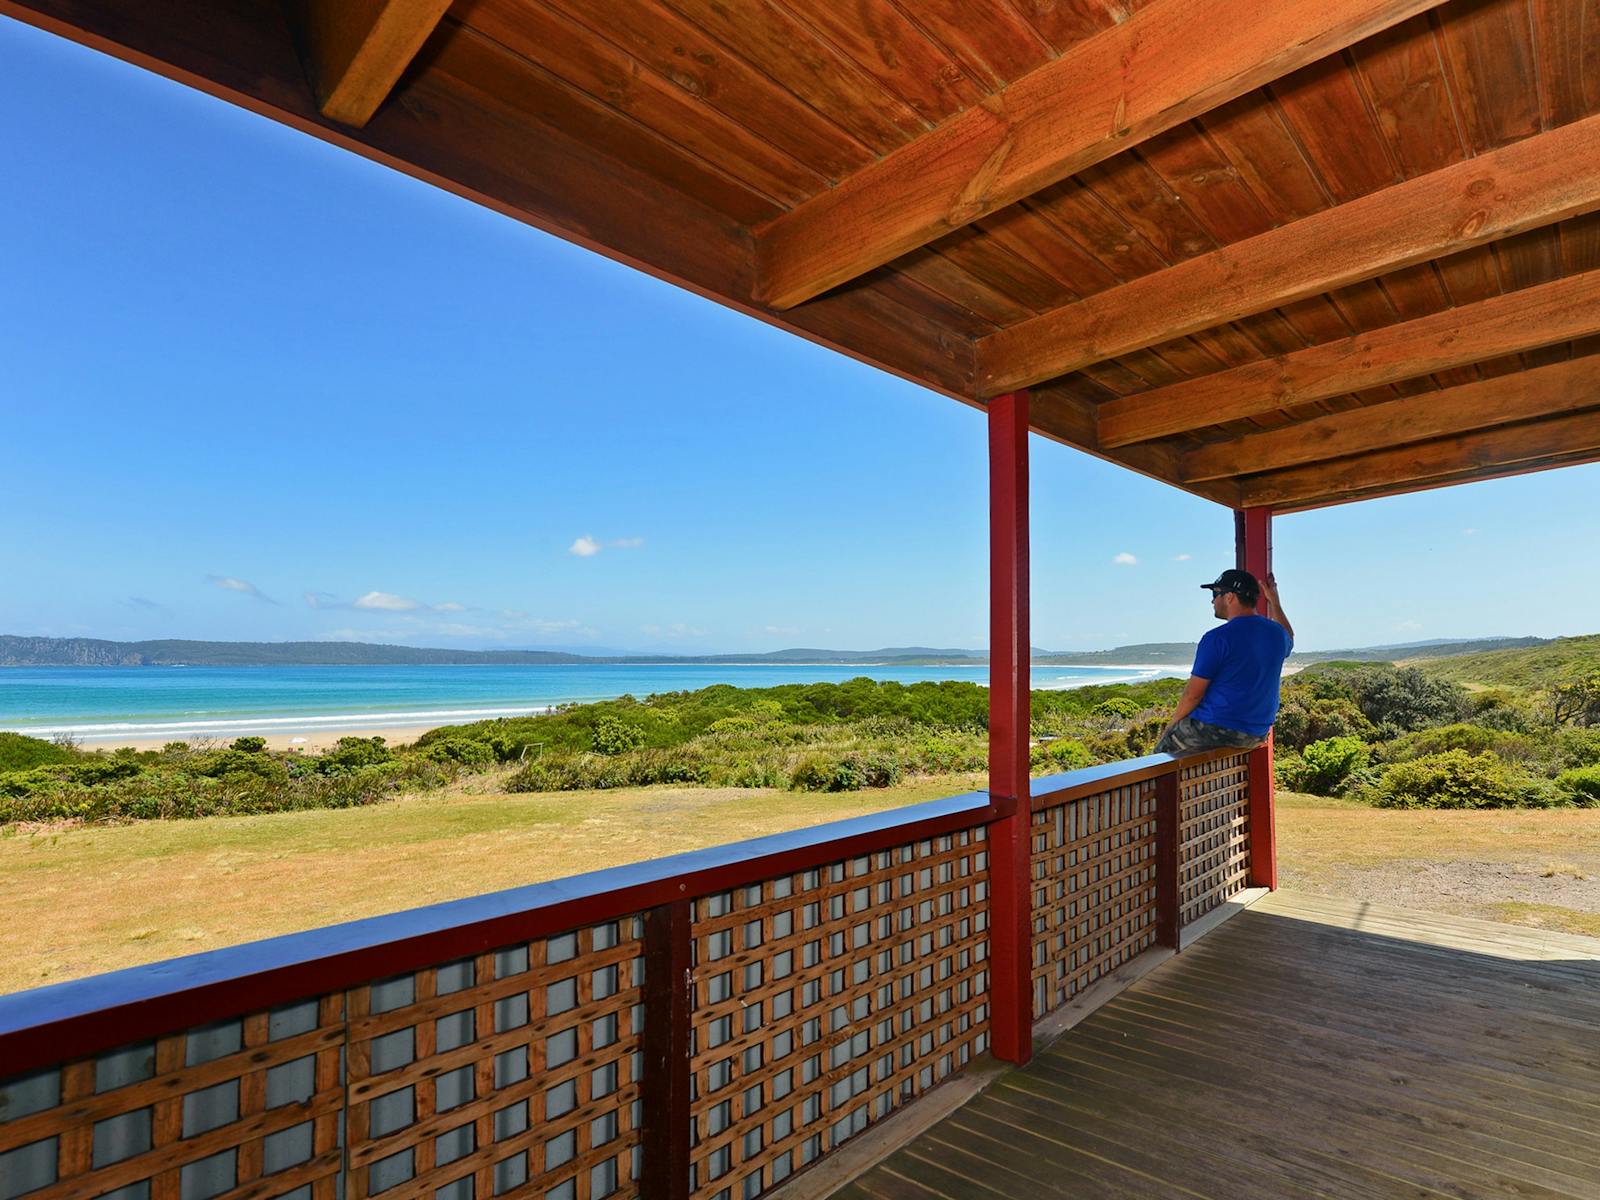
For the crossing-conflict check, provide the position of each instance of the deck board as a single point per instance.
(1309, 1047)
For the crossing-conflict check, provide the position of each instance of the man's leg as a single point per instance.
(1189, 736)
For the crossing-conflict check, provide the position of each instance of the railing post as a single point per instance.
(664, 1090)
(1253, 551)
(1168, 927)
(1010, 885)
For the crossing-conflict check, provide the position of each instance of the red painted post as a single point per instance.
(1010, 885)
(664, 1090)
(1253, 548)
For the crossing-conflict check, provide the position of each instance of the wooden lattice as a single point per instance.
(239, 1109)
(1094, 889)
(516, 1070)
(825, 999)
(1214, 833)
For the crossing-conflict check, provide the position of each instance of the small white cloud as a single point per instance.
(228, 583)
(1125, 560)
(779, 630)
(1409, 627)
(1182, 557)
(1470, 532)
(145, 603)
(449, 606)
(386, 602)
(632, 543)
(584, 547)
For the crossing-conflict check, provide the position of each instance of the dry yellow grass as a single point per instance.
(85, 900)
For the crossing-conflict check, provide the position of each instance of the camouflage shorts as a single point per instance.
(1189, 736)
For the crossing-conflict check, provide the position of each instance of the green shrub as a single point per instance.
(1580, 786)
(1577, 747)
(1117, 707)
(353, 753)
(18, 752)
(464, 752)
(1061, 754)
(612, 736)
(1323, 767)
(250, 745)
(1474, 739)
(1453, 779)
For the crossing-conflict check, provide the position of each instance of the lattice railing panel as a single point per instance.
(1094, 889)
(516, 1070)
(1213, 833)
(239, 1109)
(825, 999)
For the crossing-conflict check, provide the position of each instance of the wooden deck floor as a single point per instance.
(1309, 1047)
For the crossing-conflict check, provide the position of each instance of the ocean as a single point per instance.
(102, 705)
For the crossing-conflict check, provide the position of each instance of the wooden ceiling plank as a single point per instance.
(991, 41)
(1524, 396)
(356, 50)
(1103, 95)
(1534, 182)
(1433, 483)
(1567, 42)
(1539, 316)
(1486, 451)
(704, 69)
(612, 76)
(1325, 110)
(1489, 54)
(883, 42)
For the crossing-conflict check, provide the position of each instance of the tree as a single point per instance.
(1576, 700)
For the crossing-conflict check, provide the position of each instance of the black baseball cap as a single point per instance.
(1241, 583)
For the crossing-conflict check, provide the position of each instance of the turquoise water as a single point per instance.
(104, 704)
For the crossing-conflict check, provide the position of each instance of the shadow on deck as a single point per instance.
(1309, 1047)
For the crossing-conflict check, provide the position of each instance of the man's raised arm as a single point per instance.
(1269, 589)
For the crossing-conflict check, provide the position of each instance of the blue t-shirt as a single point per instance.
(1243, 659)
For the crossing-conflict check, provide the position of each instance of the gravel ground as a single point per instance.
(1418, 883)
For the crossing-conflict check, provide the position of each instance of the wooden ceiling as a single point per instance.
(1277, 252)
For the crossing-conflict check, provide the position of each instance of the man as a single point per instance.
(1231, 698)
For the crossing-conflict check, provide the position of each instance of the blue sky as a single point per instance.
(255, 387)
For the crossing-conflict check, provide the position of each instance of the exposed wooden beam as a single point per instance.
(1472, 475)
(356, 50)
(1534, 182)
(1167, 63)
(1537, 316)
(1522, 396)
(1484, 452)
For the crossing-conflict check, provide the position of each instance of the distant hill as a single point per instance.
(95, 652)
(1522, 667)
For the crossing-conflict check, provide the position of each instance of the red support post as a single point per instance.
(1253, 549)
(1010, 840)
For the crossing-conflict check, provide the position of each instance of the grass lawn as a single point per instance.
(92, 899)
